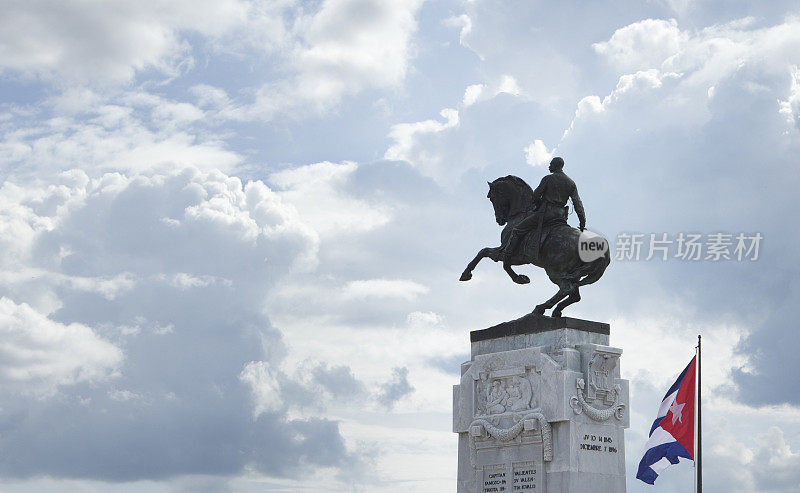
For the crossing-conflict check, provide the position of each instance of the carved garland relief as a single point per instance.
(600, 387)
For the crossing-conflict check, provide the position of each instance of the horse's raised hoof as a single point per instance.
(466, 276)
(539, 310)
(522, 279)
(556, 314)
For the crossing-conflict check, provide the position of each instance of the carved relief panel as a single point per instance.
(600, 375)
(504, 391)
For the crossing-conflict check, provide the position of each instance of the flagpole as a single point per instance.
(699, 430)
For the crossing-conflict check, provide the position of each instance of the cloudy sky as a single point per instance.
(231, 232)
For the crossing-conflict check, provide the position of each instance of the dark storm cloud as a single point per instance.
(395, 389)
(449, 364)
(338, 380)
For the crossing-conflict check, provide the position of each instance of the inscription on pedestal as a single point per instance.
(598, 443)
(494, 478)
(525, 476)
(600, 448)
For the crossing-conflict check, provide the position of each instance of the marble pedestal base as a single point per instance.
(541, 407)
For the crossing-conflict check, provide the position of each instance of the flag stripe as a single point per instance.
(670, 451)
(677, 383)
(658, 438)
(662, 464)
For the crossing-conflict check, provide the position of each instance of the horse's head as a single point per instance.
(510, 196)
(498, 195)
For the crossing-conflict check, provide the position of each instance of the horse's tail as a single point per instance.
(596, 269)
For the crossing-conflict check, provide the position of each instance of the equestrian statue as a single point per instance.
(536, 232)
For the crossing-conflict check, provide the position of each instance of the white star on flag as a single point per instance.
(676, 410)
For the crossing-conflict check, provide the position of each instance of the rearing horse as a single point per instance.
(512, 200)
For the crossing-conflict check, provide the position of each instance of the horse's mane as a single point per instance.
(521, 198)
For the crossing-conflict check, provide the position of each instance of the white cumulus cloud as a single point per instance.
(318, 191)
(537, 154)
(97, 41)
(341, 49)
(410, 143)
(643, 45)
(264, 387)
(384, 288)
(38, 354)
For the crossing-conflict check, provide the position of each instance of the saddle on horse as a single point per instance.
(532, 230)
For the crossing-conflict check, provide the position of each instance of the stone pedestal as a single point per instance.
(541, 407)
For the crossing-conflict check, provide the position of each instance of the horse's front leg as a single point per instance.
(492, 253)
(517, 278)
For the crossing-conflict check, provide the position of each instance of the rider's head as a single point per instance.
(557, 164)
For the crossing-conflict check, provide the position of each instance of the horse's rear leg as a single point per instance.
(563, 290)
(574, 297)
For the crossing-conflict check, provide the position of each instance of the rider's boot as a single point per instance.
(513, 241)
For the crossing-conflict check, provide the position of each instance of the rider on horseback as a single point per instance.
(550, 198)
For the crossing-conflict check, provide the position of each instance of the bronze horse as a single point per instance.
(512, 200)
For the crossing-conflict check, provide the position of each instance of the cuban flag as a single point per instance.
(672, 434)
